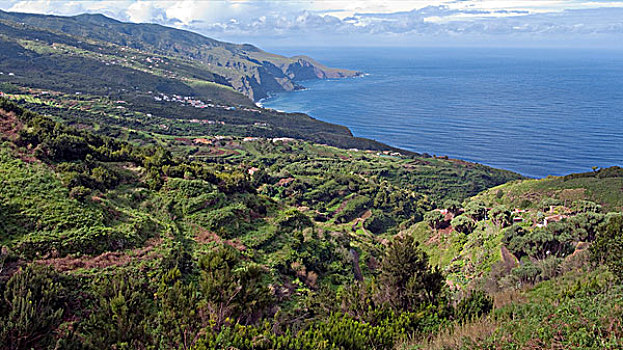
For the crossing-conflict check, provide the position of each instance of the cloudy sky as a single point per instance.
(273, 23)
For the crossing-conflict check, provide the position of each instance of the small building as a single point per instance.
(282, 139)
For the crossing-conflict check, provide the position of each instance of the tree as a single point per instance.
(120, 316)
(230, 290)
(32, 307)
(608, 247)
(586, 225)
(407, 280)
(434, 219)
(294, 220)
(500, 215)
(549, 202)
(515, 239)
(477, 210)
(581, 206)
(453, 206)
(463, 224)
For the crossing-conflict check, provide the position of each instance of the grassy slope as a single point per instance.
(42, 215)
(580, 310)
(607, 191)
(576, 307)
(247, 68)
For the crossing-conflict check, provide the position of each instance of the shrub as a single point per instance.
(379, 222)
(463, 224)
(608, 247)
(434, 219)
(294, 220)
(476, 210)
(477, 304)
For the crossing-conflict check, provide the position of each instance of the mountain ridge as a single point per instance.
(248, 69)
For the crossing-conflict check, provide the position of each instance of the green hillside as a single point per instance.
(246, 68)
(147, 203)
(549, 253)
(225, 239)
(82, 70)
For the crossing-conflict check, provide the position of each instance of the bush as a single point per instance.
(379, 223)
(476, 210)
(33, 305)
(434, 219)
(608, 247)
(463, 224)
(294, 220)
(79, 193)
(476, 305)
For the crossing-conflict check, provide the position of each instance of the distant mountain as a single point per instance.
(245, 68)
(171, 81)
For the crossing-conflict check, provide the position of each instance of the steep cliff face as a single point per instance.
(305, 68)
(246, 68)
(257, 74)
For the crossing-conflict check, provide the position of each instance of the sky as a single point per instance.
(282, 23)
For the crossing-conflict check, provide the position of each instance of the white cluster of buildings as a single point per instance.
(189, 100)
(205, 121)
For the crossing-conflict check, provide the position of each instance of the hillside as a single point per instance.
(203, 242)
(257, 228)
(140, 88)
(548, 250)
(147, 203)
(245, 68)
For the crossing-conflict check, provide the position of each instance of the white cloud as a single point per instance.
(146, 11)
(321, 20)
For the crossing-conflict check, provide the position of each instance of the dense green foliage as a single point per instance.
(108, 244)
(92, 70)
(128, 222)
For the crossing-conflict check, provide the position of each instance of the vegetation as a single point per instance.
(128, 222)
(283, 244)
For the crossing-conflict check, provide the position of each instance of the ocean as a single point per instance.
(538, 112)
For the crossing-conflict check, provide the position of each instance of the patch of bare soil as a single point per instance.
(205, 236)
(341, 207)
(104, 260)
(508, 259)
(9, 125)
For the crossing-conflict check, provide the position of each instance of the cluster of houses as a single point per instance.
(217, 138)
(517, 216)
(198, 103)
(389, 153)
(206, 121)
(189, 100)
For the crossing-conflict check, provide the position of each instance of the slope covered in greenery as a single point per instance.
(548, 251)
(246, 68)
(210, 242)
(102, 73)
(205, 242)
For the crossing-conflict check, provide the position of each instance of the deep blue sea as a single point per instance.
(538, 112)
